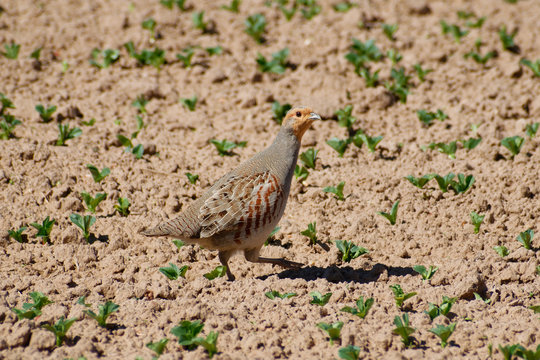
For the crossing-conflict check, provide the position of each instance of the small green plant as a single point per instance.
(275, 294)
(288, 13)
(392, 215)
(362, 53)
(123, 206)
(169, 4)
(509, 351)
(209, 343)
(349, 250)
(156, 57)
(362, 307)
(7, 125)
(333, 330)
(185, 56)
(277, 64)
(31, 310)
(104, 59)
(271, 235)
(444, 332)
(419, 182)
(189, 103)
(463, 184)
(339, 145)
(198, 21)
(435, 310)
(319, 299)
(192, 178)
(532, 129)
(399, 295)
(44, 229)
(140, 103)
(389, 30)
(12, 51)
(336, 190)
(45, 112)
(513, 144)
(60, 328)
(421, 73)
(178, 243)
(214, 50)
(300, 173)
(36, 54)
(219, 271)
(394, 56)
(453, 30)
(255, 25)
(158, 347)
(343, 6)
(187, 332)
(345, 118)
(311, 232)
(444, 182)
(309, 8)
(104, 311)
(150, 25)
(507, 40)
(470, 143)
(371, 79)
(233, 7)
(6, 104)
(349, 352)
(309, 158)
(427, 273)
(403, 329)
(371, 142)
(82, 301)
(279, 111)
(225, 147)
(534, 66)
(96, 174)
(525, 238)
(17, 235)
(66, 133)
(399, 87)
(476, 220)
(84, 223)
(138, 150)
(91, 202)
(172, 272)
(427, 117)
(501, 250)
(481, 59)
(448, 149)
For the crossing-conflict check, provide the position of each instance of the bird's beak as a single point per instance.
(314, 116)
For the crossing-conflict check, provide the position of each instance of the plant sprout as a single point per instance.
(123, 206)
(333, 330)
(44, 229)
(477, 220)
(276, 294)
(92, 202)
(60, 328)
(403, 329)
(336, 190)
(279, 111)
(65, 133)
(427, 273)
(225, 147)
(311, 232)
(399, 295)
(45, 112)
(392, 215)
(219, 271)
(172, 272)
(444, 332)
(349, 250)
(96, 174)
(319, 299)
(525, 238)
(189, 103)
(362, 307)
(84, 223)
(104, 312)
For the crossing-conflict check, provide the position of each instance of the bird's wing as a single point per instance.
(242, 204)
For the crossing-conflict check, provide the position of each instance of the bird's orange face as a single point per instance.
(300, 119)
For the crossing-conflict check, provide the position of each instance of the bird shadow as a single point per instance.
(337, 274)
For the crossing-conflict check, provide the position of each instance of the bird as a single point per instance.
(242, 208)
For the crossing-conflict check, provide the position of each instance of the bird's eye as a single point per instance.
(298, 114)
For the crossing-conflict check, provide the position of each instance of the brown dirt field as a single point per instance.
(39, 179)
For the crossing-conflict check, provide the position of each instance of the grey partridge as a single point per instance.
(239, 211)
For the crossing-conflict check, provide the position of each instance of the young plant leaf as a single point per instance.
(185, 56)
(104, 311)
(219, 271)
(513, 144)
(44, 229)
(187, 332)
(344, 116)
(84, 223)
(349, 250)
(225, 147)
(209, 343)
(91, 202)
(333, 330)
(45, 112)
(403, 329)
(507, 40)
(471, 143)
(65, 133)
(309, 157)
(362, 53)
(233, 7)
(453, 30)
(421, 181)
(311, 232)
(444, 332)
(192, 178)
(501, 250)
(198, 21)
(123, 206)
(12, 51)
(444, 182)
(104, 59)
(392, 215)
(189, 103)
(427, 273)
(389, 30)
(275, 294)
(279, 111)
(532, 129)
(339, 145)
(362, 307)
(300, 173)
(319, 299)
(399, 295)
(96, 174)
(349, 352)
(255, 25)
(477, 220)
(525, 238)
(158, 347)
(336, 190)
(534, 66)
(31, 310)
(60, 329)
(173, 272)
(399, 87)
(17, 235)
(371, 142)
(178, 243)
(277, 64)
(463, 184)
(421, 73)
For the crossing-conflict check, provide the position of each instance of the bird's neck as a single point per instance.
(286, 146)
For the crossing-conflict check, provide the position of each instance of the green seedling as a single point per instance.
(138, 150)
(150, 25)
(525, 238)
(371, 142)
(32, 310)
(453, 30)
(420, 182)
(309, 158)
(123, 206)
(389, 30)
(400, 85)
(84, 223)
(309, 8)
(140, 103)
(371, 79)
(209, 343)
(219, 271)
(104, 312)
(349, 250)
(427, 273)
(394, 56)
(403, 329)
(140, 126)
(158, 347)
(311, 232)
(65, 66)
(275, 294)
(476, 24)
(233, 7)
(477, 220)
(344, 6)
(189, 103)
(156, 57)
(60, 328)
(444, 332)
(349, 352)
(185, 56)
(44, 229)
(12, 51)
(532, 129)
(96, 174)
(470, 143)
(198, 21)
(501, 250)
(526, 354)
(421, 73)
(215, 50)
(91, 202)
(535, 308)
(279, 111)
(277, 64)
(345, 118)
(178, 243)
(509, 351)
(444, 182)
(45, 113)
(66, 133)
(427, 117)
(82, 301)
(463, 184)
(362, 53)
(319, 299)
(36, 54)
(362, 307)
(192, 178)
(534, 66)
(448, 149)
(333, 330)
(513, 144)
(300, 173)
(17, 235)
(339, 145)
(392, 215)
(169, 4)
(225, 147)
(481, 59)
(336, 190)
(104, 59)
(507, 40)
(173, 272)
(187, 332)
(435, 310)
(288, 13)
(271, 236)
(255, 25)
(399, 295)
(7, 125)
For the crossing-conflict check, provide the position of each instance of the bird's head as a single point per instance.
(299, 119)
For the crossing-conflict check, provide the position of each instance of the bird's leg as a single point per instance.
(224, 258)
(252, 255)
